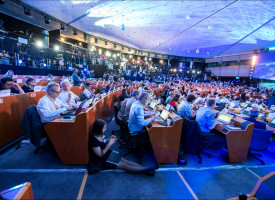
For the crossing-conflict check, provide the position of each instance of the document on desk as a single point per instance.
(231, 127)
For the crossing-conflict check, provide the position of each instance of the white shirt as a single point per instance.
(87, 93)
(63, 97)
(49, 109)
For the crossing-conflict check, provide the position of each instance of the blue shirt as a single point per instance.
(75, 79)
(185, 109)
(205, 118)
(136, 118)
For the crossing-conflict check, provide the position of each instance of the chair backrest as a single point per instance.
(260, 139)
(125, 130)
(82, 97)
(117, 108)
(191, 136)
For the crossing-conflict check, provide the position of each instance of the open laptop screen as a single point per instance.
(152, 105)
(244, 105)
(225, 117)
(164, 114)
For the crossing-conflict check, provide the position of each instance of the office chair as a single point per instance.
(33, 128)
(191, 140)
(116, 108)
(259, 142)
(131, 143)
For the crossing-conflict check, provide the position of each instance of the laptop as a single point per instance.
(244, 114)
(152, 105)
(163, 116)
(272, 123)
(244, 105)
(167, 107)
(224, 118)
(272, 108)
(75, 112)
(114, 157)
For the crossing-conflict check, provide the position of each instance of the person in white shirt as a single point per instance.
(50, 107)
(67, 97)
(88, 92)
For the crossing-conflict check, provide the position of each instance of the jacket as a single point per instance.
(32, 125)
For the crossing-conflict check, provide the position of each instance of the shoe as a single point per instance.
(151, 172)
(182, 162)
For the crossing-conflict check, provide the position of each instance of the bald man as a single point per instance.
(67, 97)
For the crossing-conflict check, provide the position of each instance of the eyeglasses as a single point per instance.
(57, 92)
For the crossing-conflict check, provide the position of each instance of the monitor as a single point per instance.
(244, 105)
(225, 117)
(152, 105)
(164, 114)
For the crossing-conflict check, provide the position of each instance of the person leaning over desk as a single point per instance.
(50, 107)
(205, 118)
(185, 108)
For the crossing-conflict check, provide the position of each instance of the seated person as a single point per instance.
(175, 101)
(88, 92)
(201, 99)
(50, 107)
(29, 87)
(253, 114)
(9, 74)
(8, 84)
(136, 116)
(133, 99)
(50, 78)
(123, 95)
(206, 120)
(170, 97)
(185, 108)
(99, 151)
(67, 97)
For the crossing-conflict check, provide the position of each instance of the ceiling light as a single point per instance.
(47, 20)
(62, 39)
(62, 27)
(79, 43)
(56, 47)
(27, 11)
(39, 43)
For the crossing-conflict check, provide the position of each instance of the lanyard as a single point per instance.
(53, 102)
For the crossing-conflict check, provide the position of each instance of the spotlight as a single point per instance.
(39, 43)
(150, 58)
(96, 40)
(20, 61)
(79, 43)
(114, 45)
(85, 36)
(45, 65)
(27, 11)
(62, 27)
(62, 39)
(75, 32)
(56, 47)
(47, 20)
(106, 43)
(161, 61)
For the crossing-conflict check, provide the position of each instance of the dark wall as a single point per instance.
(99, 70)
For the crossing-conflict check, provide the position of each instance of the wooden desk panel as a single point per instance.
(70, 139)
(238, 141)
(165, 141)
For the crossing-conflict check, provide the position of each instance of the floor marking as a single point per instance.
(187, 185)
(80, 193)
(252, 172)
(222, 167)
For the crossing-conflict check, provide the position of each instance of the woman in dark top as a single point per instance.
(100, 151)
(29, 87)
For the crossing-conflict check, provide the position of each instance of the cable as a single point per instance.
(194, 25)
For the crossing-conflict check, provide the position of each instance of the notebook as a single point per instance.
(114, 157)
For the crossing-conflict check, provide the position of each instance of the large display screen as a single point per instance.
(265, 67)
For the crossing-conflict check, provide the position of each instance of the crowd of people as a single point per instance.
(189, 100)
